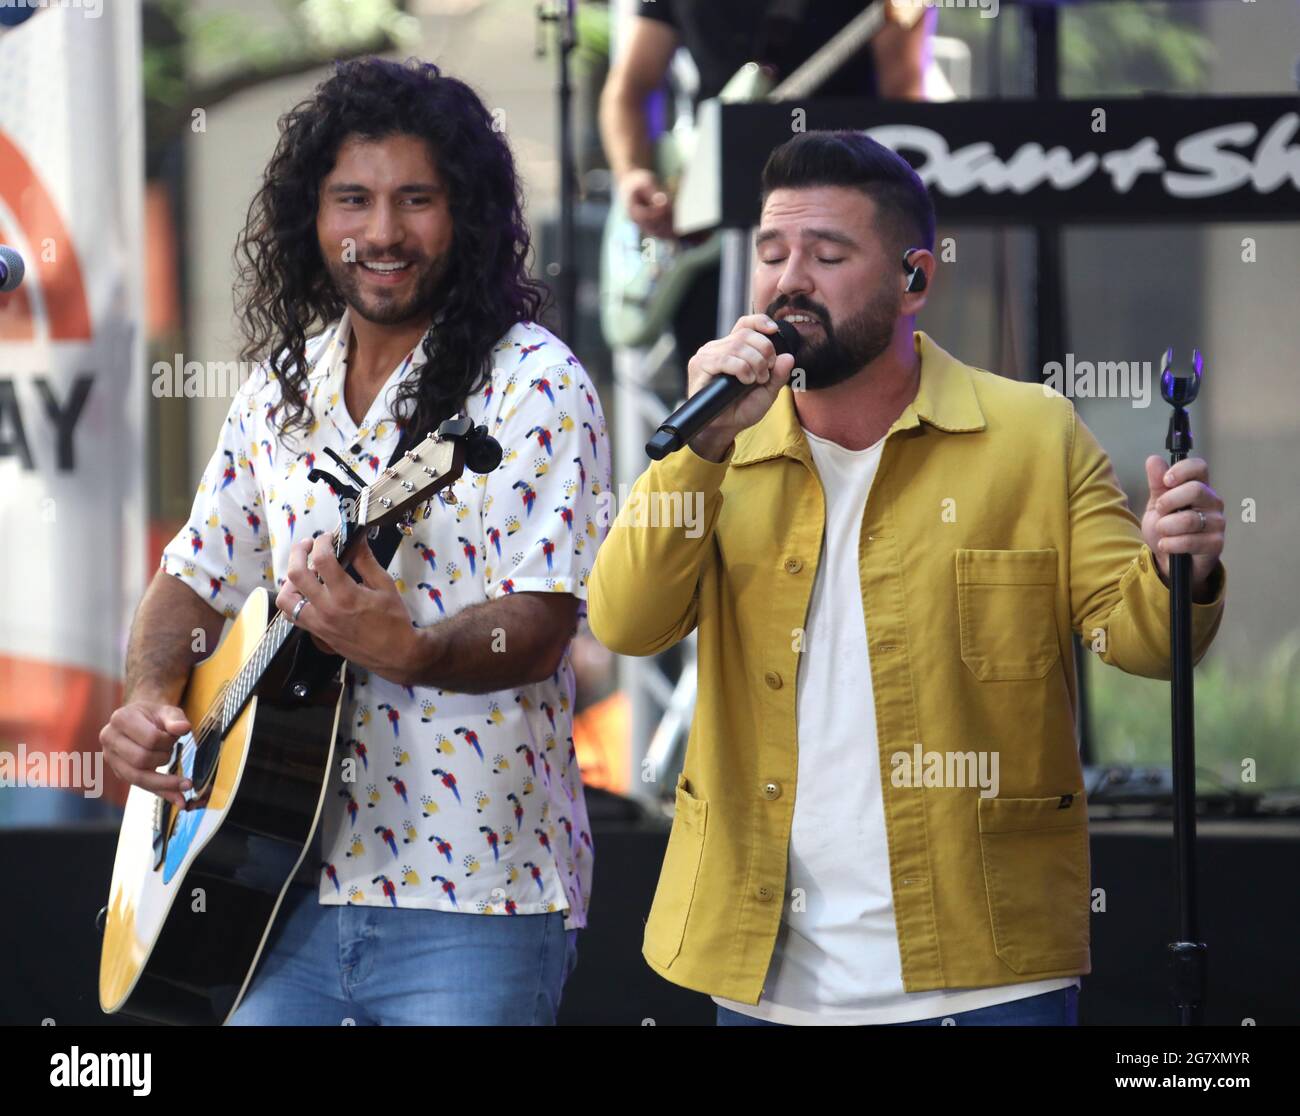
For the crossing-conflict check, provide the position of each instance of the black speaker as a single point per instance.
(58, 880)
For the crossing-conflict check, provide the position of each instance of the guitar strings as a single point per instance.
(272, 640)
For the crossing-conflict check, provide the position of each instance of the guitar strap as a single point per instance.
(309, 666)
(389, 538)
(384, 544)
(312, 667)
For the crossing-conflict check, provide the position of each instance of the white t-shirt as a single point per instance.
(836, 958)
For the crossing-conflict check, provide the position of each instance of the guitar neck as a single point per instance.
(810, 76)
(250, 675)
(244, 683)
(403, 484)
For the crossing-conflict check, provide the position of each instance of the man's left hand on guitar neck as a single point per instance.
(511, 641)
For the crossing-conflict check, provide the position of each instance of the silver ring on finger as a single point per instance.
(1202, 515)
(293, 616)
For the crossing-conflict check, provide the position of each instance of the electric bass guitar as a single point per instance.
(195, 890)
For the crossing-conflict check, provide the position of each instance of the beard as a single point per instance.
(847, 348)
(389, 307)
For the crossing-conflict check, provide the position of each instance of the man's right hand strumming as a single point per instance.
(138, 739)
(139, 736)
(747, 353)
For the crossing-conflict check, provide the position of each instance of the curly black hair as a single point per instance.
(284, 290)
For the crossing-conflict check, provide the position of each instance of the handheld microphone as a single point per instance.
(12, 269)
(710, 401)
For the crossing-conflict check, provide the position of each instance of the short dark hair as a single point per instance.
(904, 211)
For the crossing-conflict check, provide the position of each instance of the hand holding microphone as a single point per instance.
(732, 383)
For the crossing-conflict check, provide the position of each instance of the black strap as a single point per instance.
(309, 667)
(385, 543)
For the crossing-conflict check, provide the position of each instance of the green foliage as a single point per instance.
(1120, 49)
(1247, 708)
(220, 44)
(592, 22)
(1111, 49)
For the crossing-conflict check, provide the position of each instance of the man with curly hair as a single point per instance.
(383, 289)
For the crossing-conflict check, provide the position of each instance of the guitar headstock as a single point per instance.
(420, 474)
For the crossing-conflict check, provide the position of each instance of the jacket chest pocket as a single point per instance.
(1006, 602)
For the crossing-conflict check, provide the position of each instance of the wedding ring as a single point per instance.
(1202, 515)
(293, 616)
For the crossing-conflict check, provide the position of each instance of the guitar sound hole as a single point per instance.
(207, 753)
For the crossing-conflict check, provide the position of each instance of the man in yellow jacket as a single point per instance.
(881, 817)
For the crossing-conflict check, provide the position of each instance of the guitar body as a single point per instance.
(644, 279)
(195, 891)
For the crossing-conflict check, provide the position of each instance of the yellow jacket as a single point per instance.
(993, 528)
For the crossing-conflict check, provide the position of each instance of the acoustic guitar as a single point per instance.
(195, 890)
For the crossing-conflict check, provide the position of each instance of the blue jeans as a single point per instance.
(327, 966)
(1050, 1009)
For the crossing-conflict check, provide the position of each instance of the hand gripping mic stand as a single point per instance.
(1187, 956)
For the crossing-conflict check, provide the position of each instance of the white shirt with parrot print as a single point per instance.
(460, 802)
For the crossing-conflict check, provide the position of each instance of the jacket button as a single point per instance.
(793, 565)
(772, 679)
(764, 893)
(771, 791)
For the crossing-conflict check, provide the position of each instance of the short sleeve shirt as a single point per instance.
(459, 802)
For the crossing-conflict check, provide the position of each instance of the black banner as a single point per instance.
(1136, 159)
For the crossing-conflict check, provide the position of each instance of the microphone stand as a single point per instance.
(1187, 957)
(564, 267)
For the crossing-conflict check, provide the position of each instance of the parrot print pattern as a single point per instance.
(438, 800)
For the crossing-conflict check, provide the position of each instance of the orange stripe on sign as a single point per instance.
(54, 264)
(55, 708)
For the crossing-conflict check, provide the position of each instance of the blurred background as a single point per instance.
(141, 134)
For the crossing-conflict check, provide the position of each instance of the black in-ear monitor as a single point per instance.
(915, 276)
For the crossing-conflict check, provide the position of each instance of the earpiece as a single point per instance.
(915, 276)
